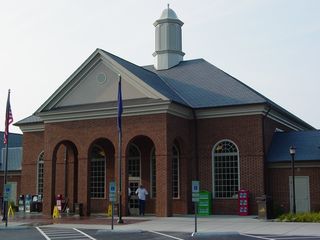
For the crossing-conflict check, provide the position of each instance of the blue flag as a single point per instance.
(119, 105)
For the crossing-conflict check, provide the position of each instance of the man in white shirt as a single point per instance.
(142, 193)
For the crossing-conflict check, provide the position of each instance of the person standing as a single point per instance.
(142, 193)
(129, 198)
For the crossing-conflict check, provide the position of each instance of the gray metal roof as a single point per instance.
(14, 152)
(149, 77)
(195, 84)
(307, 145)
(202, 85)
(29, 120)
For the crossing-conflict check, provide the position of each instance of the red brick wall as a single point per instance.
(162, 131)
(246, 133)
(33, 145)
(279, 185)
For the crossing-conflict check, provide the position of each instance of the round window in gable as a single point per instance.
(101, 78)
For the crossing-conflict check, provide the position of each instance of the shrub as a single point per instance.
(300, 217)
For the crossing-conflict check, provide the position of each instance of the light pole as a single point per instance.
(292, 151)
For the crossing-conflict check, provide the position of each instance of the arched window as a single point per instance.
(134, 161)
(225, 165)
(40, 167)
(153, 173)
(98, 172)
(175, 172)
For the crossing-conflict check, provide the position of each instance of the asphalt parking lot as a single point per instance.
(53, 233)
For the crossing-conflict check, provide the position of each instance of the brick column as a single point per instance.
(49, 175)
(164, 182)
(83, 183)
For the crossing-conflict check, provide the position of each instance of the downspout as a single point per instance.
(196, 147)
(264, 150)
(65, 172)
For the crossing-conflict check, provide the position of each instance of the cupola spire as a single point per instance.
(168, 43)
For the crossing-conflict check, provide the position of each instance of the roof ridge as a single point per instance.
(175, 91)
(149, 71)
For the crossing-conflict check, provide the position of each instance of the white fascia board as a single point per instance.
(98, 113)
(112, 112)
(39, 127)
(231, 111)
(137, 82)
(280, 118)
(259, 109)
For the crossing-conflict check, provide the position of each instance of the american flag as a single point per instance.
(8, 120)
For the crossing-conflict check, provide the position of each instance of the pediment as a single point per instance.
(96, 81)
(100, 85)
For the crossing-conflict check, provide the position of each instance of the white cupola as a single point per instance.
(168, 50)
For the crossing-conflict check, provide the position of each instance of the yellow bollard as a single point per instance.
(109, 212)
(56, 213)
(10, 211)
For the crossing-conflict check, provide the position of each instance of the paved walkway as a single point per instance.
(246, 225)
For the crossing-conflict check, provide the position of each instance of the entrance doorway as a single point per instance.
(302, 193)
(134, 179)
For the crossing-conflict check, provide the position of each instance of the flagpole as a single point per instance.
(8, 120)
(120, 149)
(5, 206)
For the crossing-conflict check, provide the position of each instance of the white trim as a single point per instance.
(39, 127)
(105, 172)
(213, 169)
(245, 110)
(151, 173)
(139, 162)
(38, 162)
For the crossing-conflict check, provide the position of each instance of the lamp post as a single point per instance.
(292, 151)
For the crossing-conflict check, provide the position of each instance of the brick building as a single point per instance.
(182, 121)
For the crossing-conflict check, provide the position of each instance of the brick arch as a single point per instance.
(64, 172)
(144, 145)
(99, 205)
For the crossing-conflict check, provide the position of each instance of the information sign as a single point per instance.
(112, 191)
(195, 191)
(7, 192)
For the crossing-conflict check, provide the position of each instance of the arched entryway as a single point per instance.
(101, 172)
(65, 173)
(140, 169)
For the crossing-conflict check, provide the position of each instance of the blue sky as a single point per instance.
(271, 45)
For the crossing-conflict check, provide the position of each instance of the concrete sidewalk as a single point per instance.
(246, 225)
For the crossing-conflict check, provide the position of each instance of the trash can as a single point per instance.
(78, 209)
(264, 207)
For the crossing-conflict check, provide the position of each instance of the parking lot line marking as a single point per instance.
(166, 235)
(253, 236)
(298, 237)
(42, 233)
(84, 234)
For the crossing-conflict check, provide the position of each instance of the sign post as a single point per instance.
(112, 199)
(195, 199)
(6, 197)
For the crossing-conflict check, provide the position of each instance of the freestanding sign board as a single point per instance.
(112, 199)
(7, 192)
(195, 199)
(195, 191)
(112, 191)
